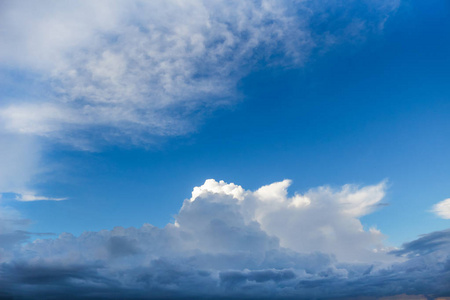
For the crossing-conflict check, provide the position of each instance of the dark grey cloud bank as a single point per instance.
(280, 274)
(222, 246)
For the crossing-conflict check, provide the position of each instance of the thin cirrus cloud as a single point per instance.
(227, 241)
(135, 69)
(442, 209)
(19, 164)
(33, 197)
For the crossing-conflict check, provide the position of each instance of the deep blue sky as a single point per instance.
(360, 113)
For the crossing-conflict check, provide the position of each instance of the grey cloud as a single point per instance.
(12, 231)
(12, 238)
(233, 279)
(219, 247)
(48, 281)
(428, 243)
(122, 246)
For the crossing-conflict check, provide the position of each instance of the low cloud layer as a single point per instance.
(12, 231)
(234, 243)
(130, 70)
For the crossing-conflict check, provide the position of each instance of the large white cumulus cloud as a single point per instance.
(138, 68)
(223, 218)
(231, 242)
(320, 220)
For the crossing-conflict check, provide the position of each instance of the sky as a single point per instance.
(205, 149)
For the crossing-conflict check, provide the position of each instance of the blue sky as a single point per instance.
(355, 94)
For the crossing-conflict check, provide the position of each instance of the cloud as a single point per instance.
(19, 165)
(328, 218)
(19, 162)
(12, 231)
(435, 242)
(33, 197)
(227, 242)
(133, 70)
(442, 209)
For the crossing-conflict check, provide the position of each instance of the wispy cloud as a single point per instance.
(135, 69)
(26, 197)
(19, 165)
(19, 162)
(442, 209)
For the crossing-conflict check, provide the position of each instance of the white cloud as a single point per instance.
(32, 197)
(20, 165)
(19, 162)
(223, 218)
(137, 69)
(221, 187)
(229, 243)
(442, 209)
(322, 219)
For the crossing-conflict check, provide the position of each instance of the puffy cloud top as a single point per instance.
(233, 243)
(320, 220)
